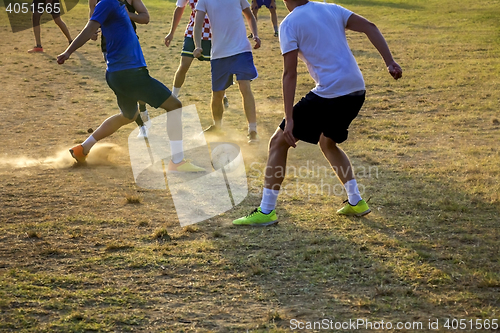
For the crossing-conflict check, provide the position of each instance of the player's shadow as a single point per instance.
(368, 3)
(401, 256)
(445, 225)
(90, 68)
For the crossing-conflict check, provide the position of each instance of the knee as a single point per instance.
(278, 142)
(182, 69)
(176, 104)
(245, 88)
(172, 103)
(127, 120)
(217, 95)
(184, 65)
(327, 143)
(58, 20)
(36, 19)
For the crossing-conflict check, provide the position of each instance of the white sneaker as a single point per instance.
(143, 132)
(145, 119)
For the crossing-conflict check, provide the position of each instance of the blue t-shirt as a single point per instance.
(122, 44)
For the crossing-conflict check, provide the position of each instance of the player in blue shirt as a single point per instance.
(139, 14)
(129, 78)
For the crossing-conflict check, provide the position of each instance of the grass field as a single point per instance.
(83, 249)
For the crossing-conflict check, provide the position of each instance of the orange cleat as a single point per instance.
(36, 49)
(77, 153)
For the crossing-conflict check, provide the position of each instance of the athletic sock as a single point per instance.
(353, 195)
(139, 121)
(177, 151)
(145, 115)
(218, 123)
(269, 198)
(88, 144)
(176, 91)
(252, 127)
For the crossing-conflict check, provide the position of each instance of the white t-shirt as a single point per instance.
(317, 30)
(229, 34)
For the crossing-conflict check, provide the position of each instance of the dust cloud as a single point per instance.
(101, 154)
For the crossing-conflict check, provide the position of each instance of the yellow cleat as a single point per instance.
(184, 167)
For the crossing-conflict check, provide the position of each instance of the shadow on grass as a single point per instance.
(368, 3)
(420, 255)
(416, 257)
(85, 66)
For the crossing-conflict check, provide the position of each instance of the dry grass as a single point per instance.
(75, 258)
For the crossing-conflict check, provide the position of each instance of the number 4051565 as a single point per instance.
(478, 324)
(41, 8)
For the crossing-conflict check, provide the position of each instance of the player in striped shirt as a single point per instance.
(188, 46)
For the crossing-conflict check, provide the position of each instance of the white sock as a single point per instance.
(269, 198)
(177, 151)
(176, 91)
(145, 118)
(252, 127)
(218, 123)
(89, 143)
(352, 190)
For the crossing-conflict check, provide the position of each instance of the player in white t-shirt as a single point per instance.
(231, 55)
(315, 33)
(188, 46)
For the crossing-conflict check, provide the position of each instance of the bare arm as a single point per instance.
(92, 4)
(199, 19)
(252, 23)
(360, 24)
(175, 22)
(141, 15)
(289, 85)
(80, 40)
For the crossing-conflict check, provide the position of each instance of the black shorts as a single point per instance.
(55, 11)
(133, 85)
(314, 115)
(188, 48)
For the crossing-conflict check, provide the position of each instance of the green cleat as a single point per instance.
(360, 209)
(257, 219)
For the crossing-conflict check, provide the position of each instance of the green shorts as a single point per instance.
(188, 48)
